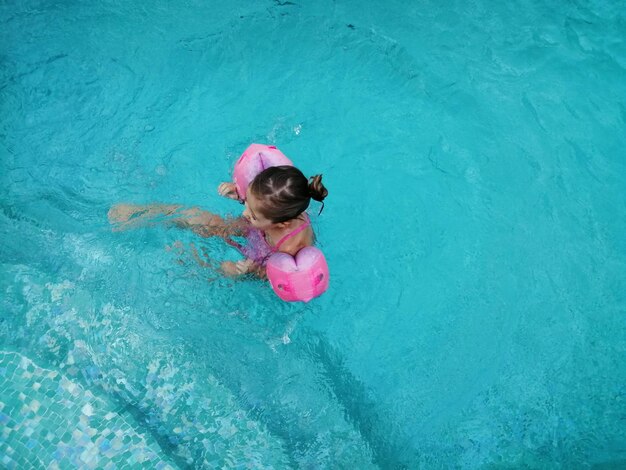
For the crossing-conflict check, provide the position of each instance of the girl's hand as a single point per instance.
(228, 190)
(239, 268)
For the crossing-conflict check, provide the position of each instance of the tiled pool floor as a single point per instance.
(50, 421)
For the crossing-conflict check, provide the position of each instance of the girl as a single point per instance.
(274, 218)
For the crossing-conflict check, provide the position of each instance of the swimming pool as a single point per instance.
(474, 230)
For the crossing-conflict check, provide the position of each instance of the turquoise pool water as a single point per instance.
(475, 232)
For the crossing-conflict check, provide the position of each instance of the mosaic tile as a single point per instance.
(49, 421)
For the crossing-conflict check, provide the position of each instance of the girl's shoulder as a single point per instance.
(297, 239)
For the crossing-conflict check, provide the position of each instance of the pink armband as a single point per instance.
(298, 278)
(255, 159)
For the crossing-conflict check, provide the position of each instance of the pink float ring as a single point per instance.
(293, 278)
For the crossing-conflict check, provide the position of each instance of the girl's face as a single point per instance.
(252, 212)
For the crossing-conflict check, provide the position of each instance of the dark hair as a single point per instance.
(286, 193)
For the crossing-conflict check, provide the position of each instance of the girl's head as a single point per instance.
(281, 193)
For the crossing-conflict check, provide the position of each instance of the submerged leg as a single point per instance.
(125, 216)
(204, 223)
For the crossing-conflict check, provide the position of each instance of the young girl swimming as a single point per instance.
(274, 218)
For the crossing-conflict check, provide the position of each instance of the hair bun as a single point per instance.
(316, 189)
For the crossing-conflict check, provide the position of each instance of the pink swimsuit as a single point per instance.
(258, 249)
